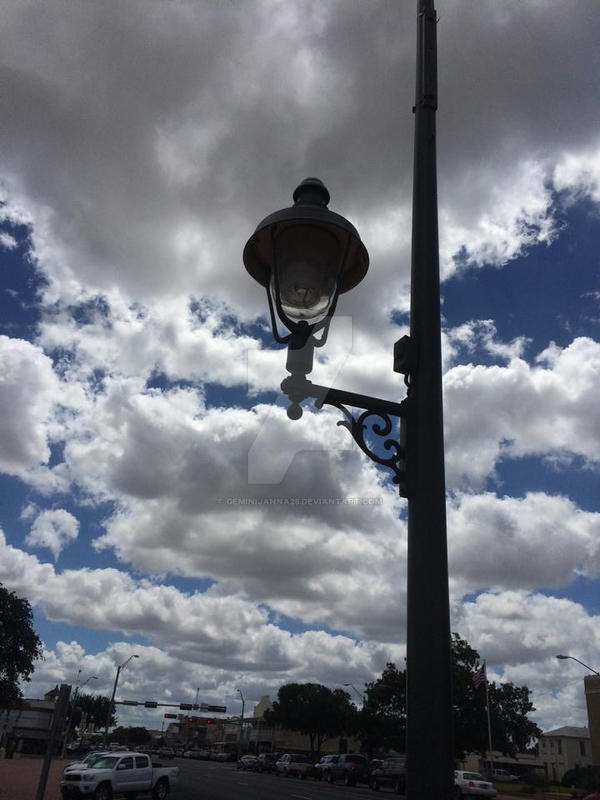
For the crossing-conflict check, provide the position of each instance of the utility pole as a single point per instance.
(58, 720)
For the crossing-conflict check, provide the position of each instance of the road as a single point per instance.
(208, 780)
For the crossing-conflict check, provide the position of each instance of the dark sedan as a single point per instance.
(391, 773)
(265, 762)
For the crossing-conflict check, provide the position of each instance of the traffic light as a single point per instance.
(185, 706)
(150, 704)
(170, 716)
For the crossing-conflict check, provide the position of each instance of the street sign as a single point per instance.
(129, 703)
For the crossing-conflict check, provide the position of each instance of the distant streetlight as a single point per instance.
(73, 701)
(591, 669)
(112, 699)
(239, 691)
(87, 680)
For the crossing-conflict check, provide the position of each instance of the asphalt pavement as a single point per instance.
(213, 781)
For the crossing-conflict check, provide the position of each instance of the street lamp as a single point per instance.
(305, 256)
(112, 699)
(595, 671)
(73, 701)
(239, 691)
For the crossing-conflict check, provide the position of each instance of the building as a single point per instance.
(592, 699)
(523, 765)
(25, 730)
(563, 749)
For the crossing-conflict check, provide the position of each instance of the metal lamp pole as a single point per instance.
(112, 699)
(428, 704)
(591, 669)
(241, 723)
(73, 701)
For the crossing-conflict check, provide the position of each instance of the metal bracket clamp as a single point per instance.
(300, 388)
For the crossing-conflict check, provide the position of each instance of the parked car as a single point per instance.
(375, 763)
(392, 772)
(472, 784)
(215, 755)
(352, 768)
(166, 752)
(291, 764)
(246, 762)
(266, 762)
(324, 766)
(503, 776)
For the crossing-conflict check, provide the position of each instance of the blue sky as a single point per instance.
(141, 420)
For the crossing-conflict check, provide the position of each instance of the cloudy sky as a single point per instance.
(141, 423)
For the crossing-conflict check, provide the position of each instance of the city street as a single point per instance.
(212, 781)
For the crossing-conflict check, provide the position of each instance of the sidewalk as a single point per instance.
(19, 778)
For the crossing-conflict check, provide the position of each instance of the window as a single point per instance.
(559, 745)
(141, 762)
(126, 763)
(582, 748)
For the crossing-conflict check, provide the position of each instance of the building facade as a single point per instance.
(24, 730)
(563, 749)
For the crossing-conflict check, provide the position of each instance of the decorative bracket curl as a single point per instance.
(299, 388)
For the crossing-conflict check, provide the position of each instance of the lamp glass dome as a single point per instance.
(307, 264)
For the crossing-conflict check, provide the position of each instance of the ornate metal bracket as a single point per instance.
(298, 388)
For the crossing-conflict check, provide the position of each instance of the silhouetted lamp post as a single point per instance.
(112, 699)
(306, 256)
(591, 669)
(241, 733)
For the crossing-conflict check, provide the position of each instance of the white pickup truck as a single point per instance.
(127, 774)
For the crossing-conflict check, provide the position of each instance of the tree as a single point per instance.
(511, 729)
(382, 719)
(130, 736)
(19, 647)
(382, 722)
(313, 710)
(95, 707)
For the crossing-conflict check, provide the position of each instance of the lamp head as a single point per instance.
(306, 255)
(561, 656)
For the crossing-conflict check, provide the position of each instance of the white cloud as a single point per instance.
(225, 633)
(28, 390)
(54, 529)
(508, 542)
(517, 410)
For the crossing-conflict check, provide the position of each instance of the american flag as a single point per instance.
(479, 677)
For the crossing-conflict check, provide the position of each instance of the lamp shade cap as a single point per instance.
(310, 209)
